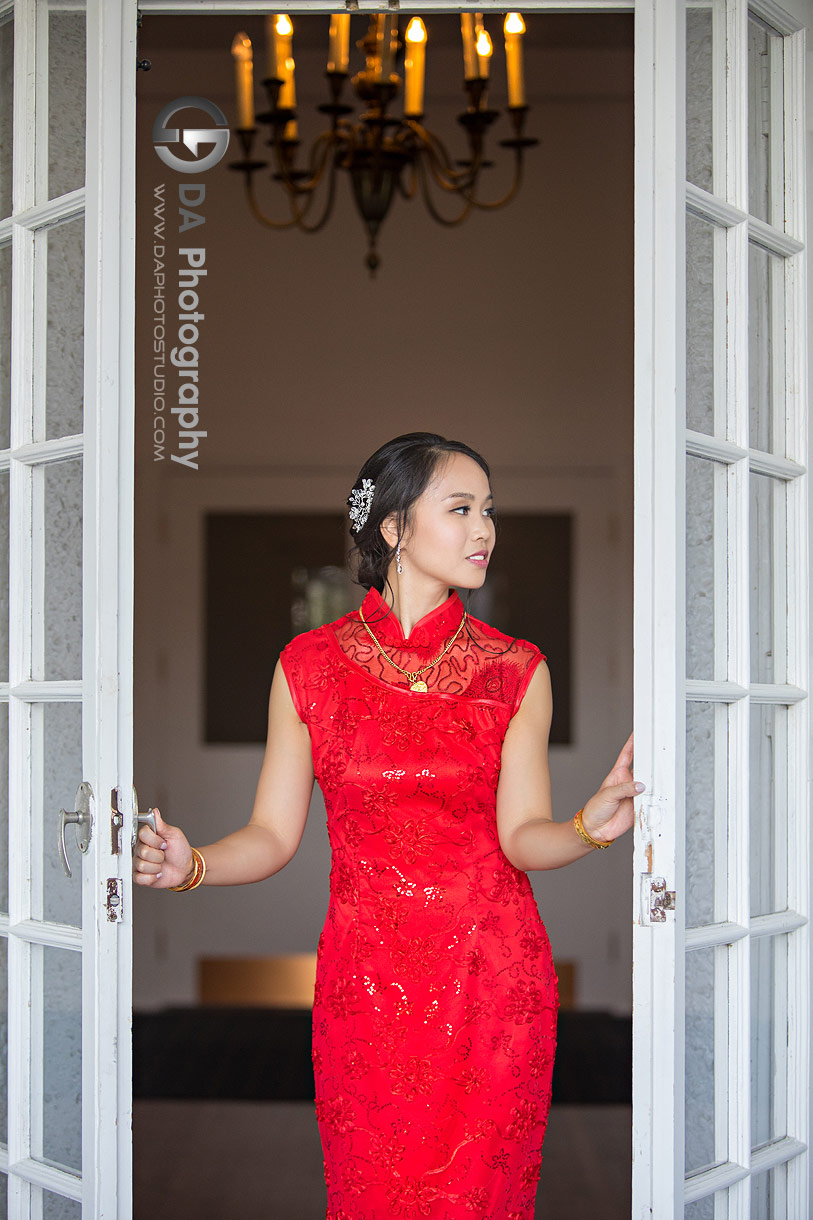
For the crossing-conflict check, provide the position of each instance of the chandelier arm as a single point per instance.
(446, 176)
(329, 201)
(430, 206)
(468, 178)
(305, 188)
(284, 169)
(466, 183)
(410, 191)
(326, 140)
(259, 215)
(492, 205)
(404, 142)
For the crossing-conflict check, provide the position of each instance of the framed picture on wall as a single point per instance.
(270, 576)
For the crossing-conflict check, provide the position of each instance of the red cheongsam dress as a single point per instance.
(434, 1017)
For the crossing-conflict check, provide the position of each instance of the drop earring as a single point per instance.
(398, 557)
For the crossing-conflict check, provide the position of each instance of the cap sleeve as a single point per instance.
(291, 661)
(534, 656)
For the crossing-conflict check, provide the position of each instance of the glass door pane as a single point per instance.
(57, 1207)
(705, 280)
(769, 1039)
(707, 762)
(61, 496)
(706, 1057)
(700, 46)
(65, 253)
(67, 35)
(56, 1081)
(769, 1194)
(766, 169)
(768, 812)
(768, 578)
(6, 108)
(59, 728)
(706, 566)
(5, 336)
(766, 345)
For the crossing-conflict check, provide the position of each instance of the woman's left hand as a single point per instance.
(610, 812)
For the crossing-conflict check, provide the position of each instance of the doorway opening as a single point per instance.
(513, 332)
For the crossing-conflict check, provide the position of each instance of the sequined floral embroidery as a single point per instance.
(434, 1016)
(523, 1118)
(415, 958)
(412, 1077)
(411, 1197)
(524, 1003)
(409, 840)
(401, 726)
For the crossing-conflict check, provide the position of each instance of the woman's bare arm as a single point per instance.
(274, 830)
(529, 836)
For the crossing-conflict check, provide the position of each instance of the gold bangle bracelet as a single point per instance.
(198, 873)
(187, 885)
(583, 834)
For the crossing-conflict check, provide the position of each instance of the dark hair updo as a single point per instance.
(400, 470)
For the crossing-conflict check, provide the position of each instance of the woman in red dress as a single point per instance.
(434, 1017)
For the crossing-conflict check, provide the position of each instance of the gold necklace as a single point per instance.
(414, 675)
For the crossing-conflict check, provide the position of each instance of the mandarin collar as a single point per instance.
(433, 630)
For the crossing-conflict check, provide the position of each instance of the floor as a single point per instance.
(215, 1160)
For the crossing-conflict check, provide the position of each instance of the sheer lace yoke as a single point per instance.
(482, 663)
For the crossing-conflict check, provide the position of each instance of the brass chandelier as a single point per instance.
(383, 154)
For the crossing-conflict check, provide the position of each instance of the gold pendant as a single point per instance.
(419, 686)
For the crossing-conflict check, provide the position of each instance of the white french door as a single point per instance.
(66, 407)
(722, 978)
(722, 856)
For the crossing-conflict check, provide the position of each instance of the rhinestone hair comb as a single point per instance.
(360, 499)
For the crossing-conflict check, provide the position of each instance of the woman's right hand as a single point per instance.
(164, 859)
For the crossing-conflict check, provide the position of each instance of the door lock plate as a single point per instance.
(116, 821)
(656, 899)
(115, 899)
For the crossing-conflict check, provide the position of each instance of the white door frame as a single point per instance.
(659, 632)
(109, 551)
(105, 687)
(660, 686)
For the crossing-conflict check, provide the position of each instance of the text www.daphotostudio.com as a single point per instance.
(189, 265)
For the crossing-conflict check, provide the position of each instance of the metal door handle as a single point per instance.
(82, 819)
(142, 819)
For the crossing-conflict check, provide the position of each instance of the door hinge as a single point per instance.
(656, 899)
(115, 899)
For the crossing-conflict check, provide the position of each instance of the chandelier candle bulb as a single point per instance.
(514, 28)
(338, 56)
(271, 46)
(285, 63)
(287, 93)
(388, 42)
(244, 79)
(282, 57)
(469, 52)
(376, 149)
(378, 57)
(414, 67)
(484, 48)
(372, 46)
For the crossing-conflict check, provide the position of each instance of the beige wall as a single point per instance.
(512, 332)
